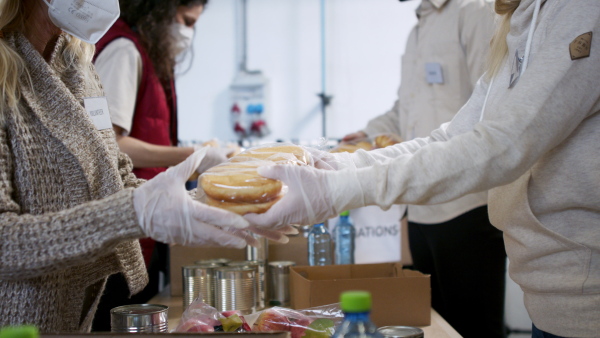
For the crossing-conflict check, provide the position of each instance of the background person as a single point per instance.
(454, 242)
(530, 133)
(71, 211)
(136, 61)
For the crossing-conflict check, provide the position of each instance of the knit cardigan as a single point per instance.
(67, 219)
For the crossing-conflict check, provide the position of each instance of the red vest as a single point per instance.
(155, 116)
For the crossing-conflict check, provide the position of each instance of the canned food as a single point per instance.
(139, 318)
(198, 281)
(279, 283)
(259, 267)
(235, 289)
(401, 332)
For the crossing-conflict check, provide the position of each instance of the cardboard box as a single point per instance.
(400, 296)
(296, 250)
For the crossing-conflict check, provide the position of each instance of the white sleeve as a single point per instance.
(551, 100)
(120, 68)
(464, 121)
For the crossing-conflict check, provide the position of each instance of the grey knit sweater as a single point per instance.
(66, 213)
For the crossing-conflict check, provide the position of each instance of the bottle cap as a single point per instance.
(345, 213)
(25, 331)
(355, 301)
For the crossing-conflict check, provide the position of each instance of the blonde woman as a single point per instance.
(71, 211)
(530, 133)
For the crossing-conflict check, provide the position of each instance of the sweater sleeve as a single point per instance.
(126, 172)
(554, 96)
(36, 245)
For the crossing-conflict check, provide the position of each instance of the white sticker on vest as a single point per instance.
(97, 107)
(433, 72)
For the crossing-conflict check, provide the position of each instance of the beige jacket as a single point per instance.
(454, 35)
(66, 212)
(537, 147)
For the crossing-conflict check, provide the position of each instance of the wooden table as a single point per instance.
(439, 328)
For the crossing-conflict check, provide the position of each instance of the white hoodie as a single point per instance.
(537, 148)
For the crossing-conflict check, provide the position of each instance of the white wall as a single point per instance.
(365, 41)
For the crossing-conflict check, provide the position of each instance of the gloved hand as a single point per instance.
(167, 213)
(330, 161)
(213, 157)
(307, 201)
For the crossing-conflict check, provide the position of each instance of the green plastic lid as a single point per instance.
(345, 213)
(355, 301)
(25, 331)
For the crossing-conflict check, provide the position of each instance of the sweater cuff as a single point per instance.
(121, 218)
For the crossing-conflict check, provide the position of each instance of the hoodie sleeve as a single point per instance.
(554, 96)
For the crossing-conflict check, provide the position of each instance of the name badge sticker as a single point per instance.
(97, 107)
(433, 72)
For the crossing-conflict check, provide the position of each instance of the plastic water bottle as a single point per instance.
(319, 245)
(357, 323)
(344, 239)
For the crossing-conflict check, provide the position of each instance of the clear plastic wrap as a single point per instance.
(317, 322)
(350, 147)
(236, 185)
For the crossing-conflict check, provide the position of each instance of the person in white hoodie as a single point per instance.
(454, 242)
(529, 134)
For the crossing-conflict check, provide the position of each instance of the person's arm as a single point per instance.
(35, 245)
(386, 123)
(147, 155)
(548, 103)
(119, 66)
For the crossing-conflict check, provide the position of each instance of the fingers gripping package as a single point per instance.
(236, 185)
(317, 322)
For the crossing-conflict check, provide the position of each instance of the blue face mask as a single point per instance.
(87, 20)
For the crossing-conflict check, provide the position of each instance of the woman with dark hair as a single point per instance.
(136, 61)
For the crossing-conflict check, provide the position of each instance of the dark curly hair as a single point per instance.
(152, 19)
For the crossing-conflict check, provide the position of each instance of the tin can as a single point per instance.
(279, 283)
(198, 281)
(401, 332)
(139, 318)
(235, 289)
(259, 268)
(217, 261)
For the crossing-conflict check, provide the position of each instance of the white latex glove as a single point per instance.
(307, 201)
(167, 213)
(330, 161)
(213, 157)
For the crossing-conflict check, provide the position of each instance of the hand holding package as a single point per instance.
(167, 213)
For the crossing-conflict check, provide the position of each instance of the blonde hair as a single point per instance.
(76, 53)
(499, 48)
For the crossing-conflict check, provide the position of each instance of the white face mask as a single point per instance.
(183, 35)
(87, 20)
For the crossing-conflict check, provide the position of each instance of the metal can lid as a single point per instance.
(139, 309)
(235, 272)
(136, 317)
(218, 261)
(401, 332)
(244, 263)
(281, 266)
